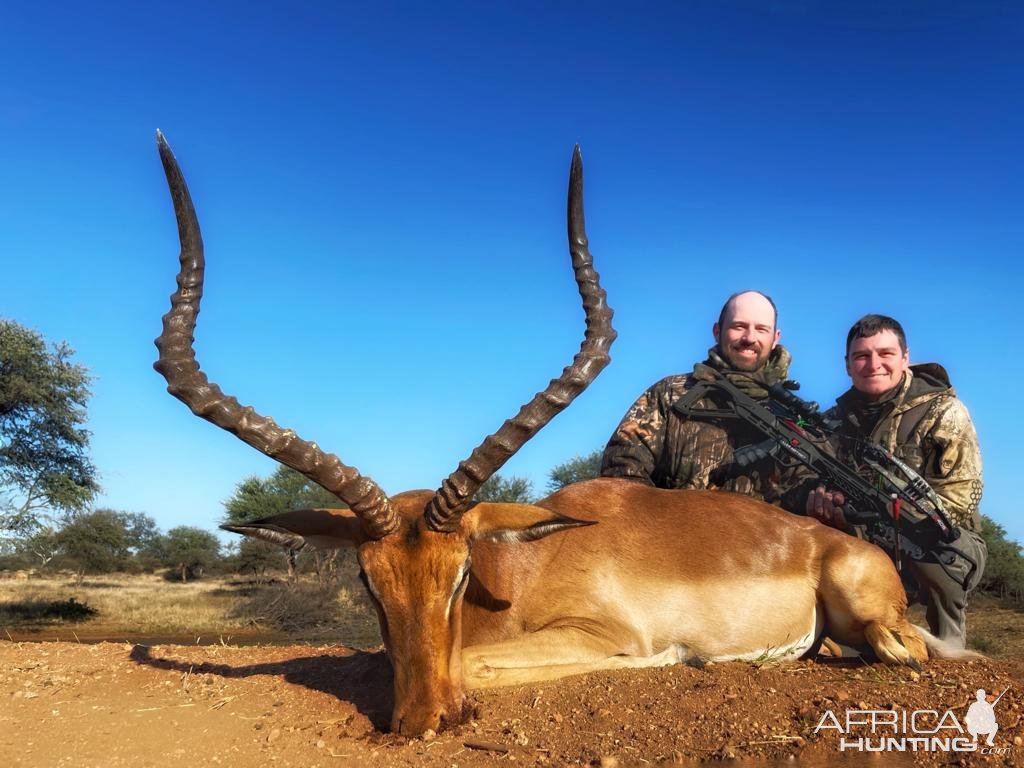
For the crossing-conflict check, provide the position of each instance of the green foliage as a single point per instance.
(519, 489)
(100, 541)
(146, 542)
(575, 470)
(44, 464)
(498, 488)
(1004, 571)
(142, 531)
(257, 557)
(257, 497)
(94, 542)
(106, 540)
(39, 548)
(189, 550)
(286, 489)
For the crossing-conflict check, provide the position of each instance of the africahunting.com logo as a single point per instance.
(919, 730)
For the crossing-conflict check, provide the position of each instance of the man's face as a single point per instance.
(876, 364)
(748, 335)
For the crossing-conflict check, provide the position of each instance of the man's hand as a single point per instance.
(826, 506)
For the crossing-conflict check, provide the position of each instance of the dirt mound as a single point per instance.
(122, 705)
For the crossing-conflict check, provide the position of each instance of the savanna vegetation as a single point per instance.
(67, 564)
(44, 447)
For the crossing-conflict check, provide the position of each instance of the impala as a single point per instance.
(600, 575)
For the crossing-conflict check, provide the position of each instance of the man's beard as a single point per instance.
(742, 363)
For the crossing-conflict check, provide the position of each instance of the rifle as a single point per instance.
(903, 516)
(1000, 696)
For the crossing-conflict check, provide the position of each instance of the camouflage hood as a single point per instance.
(753, 383)
(922, 382)
(924, 424)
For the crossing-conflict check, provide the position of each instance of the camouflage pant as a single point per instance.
(942, 595)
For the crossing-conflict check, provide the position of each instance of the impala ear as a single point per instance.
(508, 522)
(305, 528)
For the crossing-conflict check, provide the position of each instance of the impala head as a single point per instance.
(414, 549)
(417, 578)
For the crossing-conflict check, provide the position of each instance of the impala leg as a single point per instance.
(891, 646)
(553, 653)
(865, 604)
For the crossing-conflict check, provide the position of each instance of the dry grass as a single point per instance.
(143, 604)
(310, 609)
(996, 627)
(134, 606)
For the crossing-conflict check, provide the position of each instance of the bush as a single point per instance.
(95, 542)
(257, 557)
(45, 611)
(575, 470)
(512, 489)
(189, 551)
(1004, 571)
(340, 609)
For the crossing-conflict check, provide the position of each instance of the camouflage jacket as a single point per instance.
(655, 445)
(924, 424)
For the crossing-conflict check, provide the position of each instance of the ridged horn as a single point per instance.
(177, 363)
(271, 533)
(456, 493)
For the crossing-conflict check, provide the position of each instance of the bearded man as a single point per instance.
(913, 412)
(655, 445)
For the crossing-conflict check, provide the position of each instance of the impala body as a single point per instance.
(603, 574)
(661, 577)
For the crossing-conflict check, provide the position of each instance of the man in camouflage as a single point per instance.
(913, 412)
(655, 445)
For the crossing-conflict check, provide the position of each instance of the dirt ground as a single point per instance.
(117, 704)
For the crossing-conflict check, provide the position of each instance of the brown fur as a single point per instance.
(662, 577)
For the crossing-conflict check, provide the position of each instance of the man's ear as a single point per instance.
(716, 331)
(497, 521)
(302, 528)
(778, 335)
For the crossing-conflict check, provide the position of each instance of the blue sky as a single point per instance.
(381, 192)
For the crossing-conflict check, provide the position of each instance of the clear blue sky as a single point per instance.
(381, 191)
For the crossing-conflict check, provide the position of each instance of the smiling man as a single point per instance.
(655, 445)
(913, 412)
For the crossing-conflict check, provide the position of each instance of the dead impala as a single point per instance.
(465, 602)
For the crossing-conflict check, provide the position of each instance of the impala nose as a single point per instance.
(425, 723)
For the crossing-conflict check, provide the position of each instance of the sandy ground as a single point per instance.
(116, 704)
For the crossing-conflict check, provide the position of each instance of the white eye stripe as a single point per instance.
(463, 572)
(369, 585)
(460, 577)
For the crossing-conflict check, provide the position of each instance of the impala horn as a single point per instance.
(177, 363)
(455, 495)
